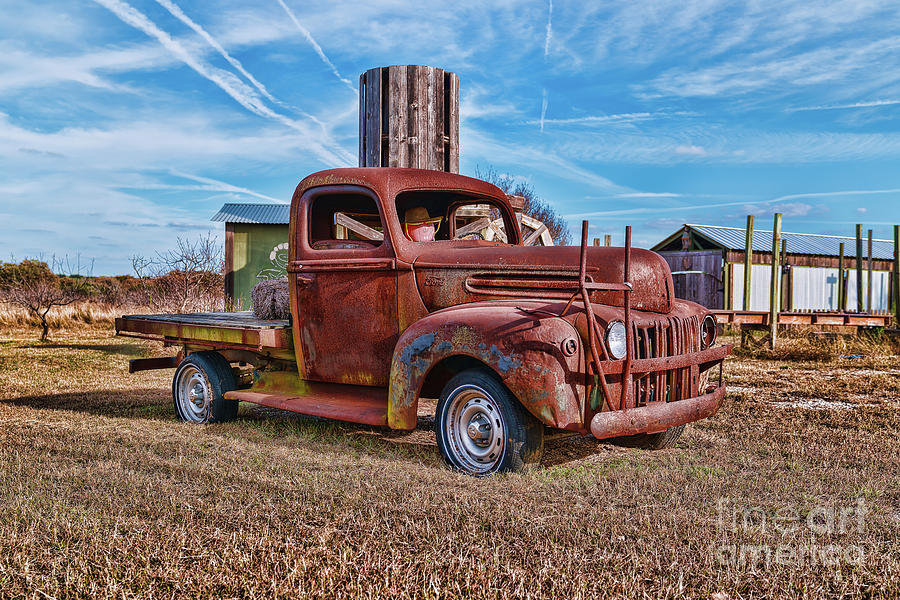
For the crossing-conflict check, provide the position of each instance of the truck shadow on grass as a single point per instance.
(142, 403)
(418, 445)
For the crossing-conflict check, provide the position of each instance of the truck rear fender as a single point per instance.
(536, 355)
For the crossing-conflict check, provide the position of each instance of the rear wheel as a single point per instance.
(199, 386)
(482, 429)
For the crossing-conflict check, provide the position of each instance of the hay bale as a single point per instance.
(270, 299)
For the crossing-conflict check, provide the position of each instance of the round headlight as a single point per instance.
(709, 329)
(615, 340)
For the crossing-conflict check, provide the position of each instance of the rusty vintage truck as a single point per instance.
(496, 330)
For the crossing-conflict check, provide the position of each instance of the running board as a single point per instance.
(342, 402)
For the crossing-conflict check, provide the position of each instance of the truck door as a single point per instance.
(345, 282)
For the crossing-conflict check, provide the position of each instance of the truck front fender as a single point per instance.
(536, 355)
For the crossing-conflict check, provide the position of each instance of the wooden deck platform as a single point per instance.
(812, 319)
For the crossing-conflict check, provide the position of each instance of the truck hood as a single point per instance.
(454, 273)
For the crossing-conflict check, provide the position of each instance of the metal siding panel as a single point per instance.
(759, 285)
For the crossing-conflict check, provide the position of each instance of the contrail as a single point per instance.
(316, 46)
(870, 104)
(633, 211)
(226, 81)
(179, 14)
(221, 186)
(544, 103)
(549, 34)
(620, 118)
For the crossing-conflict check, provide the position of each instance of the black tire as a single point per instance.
(651, 441)
(500, 435)
(199, 386)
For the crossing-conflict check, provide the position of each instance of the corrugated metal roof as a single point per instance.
(265, 214)
(734, 238)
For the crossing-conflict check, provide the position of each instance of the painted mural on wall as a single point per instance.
(279, 259)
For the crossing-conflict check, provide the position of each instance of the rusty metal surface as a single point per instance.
(656, 417)
(151, 364)
(518, 340)
(451, 276)
(284, 390)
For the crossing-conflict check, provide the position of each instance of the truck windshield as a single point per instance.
(436, 216)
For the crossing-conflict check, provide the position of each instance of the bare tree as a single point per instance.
(31, 285)
(187, 278)
(535, 206)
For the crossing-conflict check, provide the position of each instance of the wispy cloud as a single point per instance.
(225, 80)
(482, 145)
(648, 195)
(870, 104)
(316, 46)
(787, 209)
(549, 34)
(690, 150)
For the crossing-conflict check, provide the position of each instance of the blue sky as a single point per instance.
(126, 124)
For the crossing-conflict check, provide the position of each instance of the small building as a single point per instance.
(256, 246)
(707, 263)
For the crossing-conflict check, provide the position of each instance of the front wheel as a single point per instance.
(482, 429)
(199, 386)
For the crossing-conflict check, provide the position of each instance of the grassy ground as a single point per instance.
(103, 493)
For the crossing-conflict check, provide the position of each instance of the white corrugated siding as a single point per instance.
(813, 288)
(759, 287)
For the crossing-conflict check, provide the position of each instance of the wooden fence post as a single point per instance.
(786, 291)
(897, 274)
(775, 281)
(840, 301)
(869, 280)
(748, 261)
(859, 268)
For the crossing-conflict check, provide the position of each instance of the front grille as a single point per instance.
(658, 339)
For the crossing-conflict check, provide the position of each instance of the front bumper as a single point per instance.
(656, 417)
(659, 416)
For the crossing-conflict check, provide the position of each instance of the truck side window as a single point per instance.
(344, 221)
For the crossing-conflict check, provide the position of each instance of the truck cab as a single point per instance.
(409, 283)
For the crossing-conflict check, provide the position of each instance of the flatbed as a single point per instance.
(238, 331)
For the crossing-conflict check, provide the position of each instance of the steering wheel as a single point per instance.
(475, 235)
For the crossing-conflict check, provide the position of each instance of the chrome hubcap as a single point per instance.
(193, 395)
(474, 429)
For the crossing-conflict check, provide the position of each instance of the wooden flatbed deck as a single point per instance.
(239, 330)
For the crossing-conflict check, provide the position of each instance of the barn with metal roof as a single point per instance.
(707, 262)
(256, 238)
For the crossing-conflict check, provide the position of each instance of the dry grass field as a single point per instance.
(791, 491)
